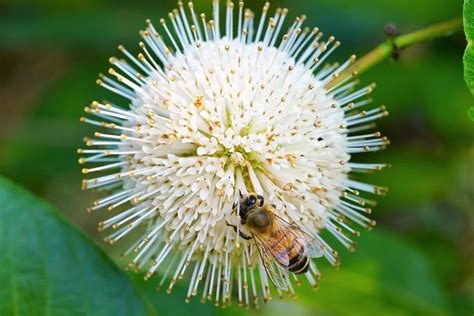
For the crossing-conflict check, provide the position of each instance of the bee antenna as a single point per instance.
(240, 193)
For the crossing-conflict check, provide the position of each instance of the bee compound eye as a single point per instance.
(251, 201)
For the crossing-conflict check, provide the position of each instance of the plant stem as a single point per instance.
(386, 48)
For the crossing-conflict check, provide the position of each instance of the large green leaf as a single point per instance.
(49, 268)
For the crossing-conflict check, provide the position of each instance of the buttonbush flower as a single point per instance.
(213, 109)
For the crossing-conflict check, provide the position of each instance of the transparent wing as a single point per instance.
(314, 248)
(277, 249)
(275, 271)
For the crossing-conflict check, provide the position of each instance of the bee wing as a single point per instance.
(277, 251)
(275, 271)
(313, 246)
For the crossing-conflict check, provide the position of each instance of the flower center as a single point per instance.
(240, 148)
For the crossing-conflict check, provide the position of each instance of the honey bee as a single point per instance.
(283, 247)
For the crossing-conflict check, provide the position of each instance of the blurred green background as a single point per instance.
(420, 257)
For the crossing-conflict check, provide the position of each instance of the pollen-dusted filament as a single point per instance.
(222, 104)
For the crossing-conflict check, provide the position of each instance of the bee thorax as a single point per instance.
(259, 220)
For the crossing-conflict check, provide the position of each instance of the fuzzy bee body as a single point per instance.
(283, 247)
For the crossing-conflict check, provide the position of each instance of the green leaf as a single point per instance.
(50, 268)
(471, 112)
(469, 53)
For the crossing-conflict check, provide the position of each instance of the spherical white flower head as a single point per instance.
(213, 116)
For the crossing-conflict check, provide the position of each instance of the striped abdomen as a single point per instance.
(299, 264)
(299, 261)
(287, 245)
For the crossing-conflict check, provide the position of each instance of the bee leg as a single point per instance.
(240, 232)
(244, 236)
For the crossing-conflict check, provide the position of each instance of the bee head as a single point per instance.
(248, 202)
